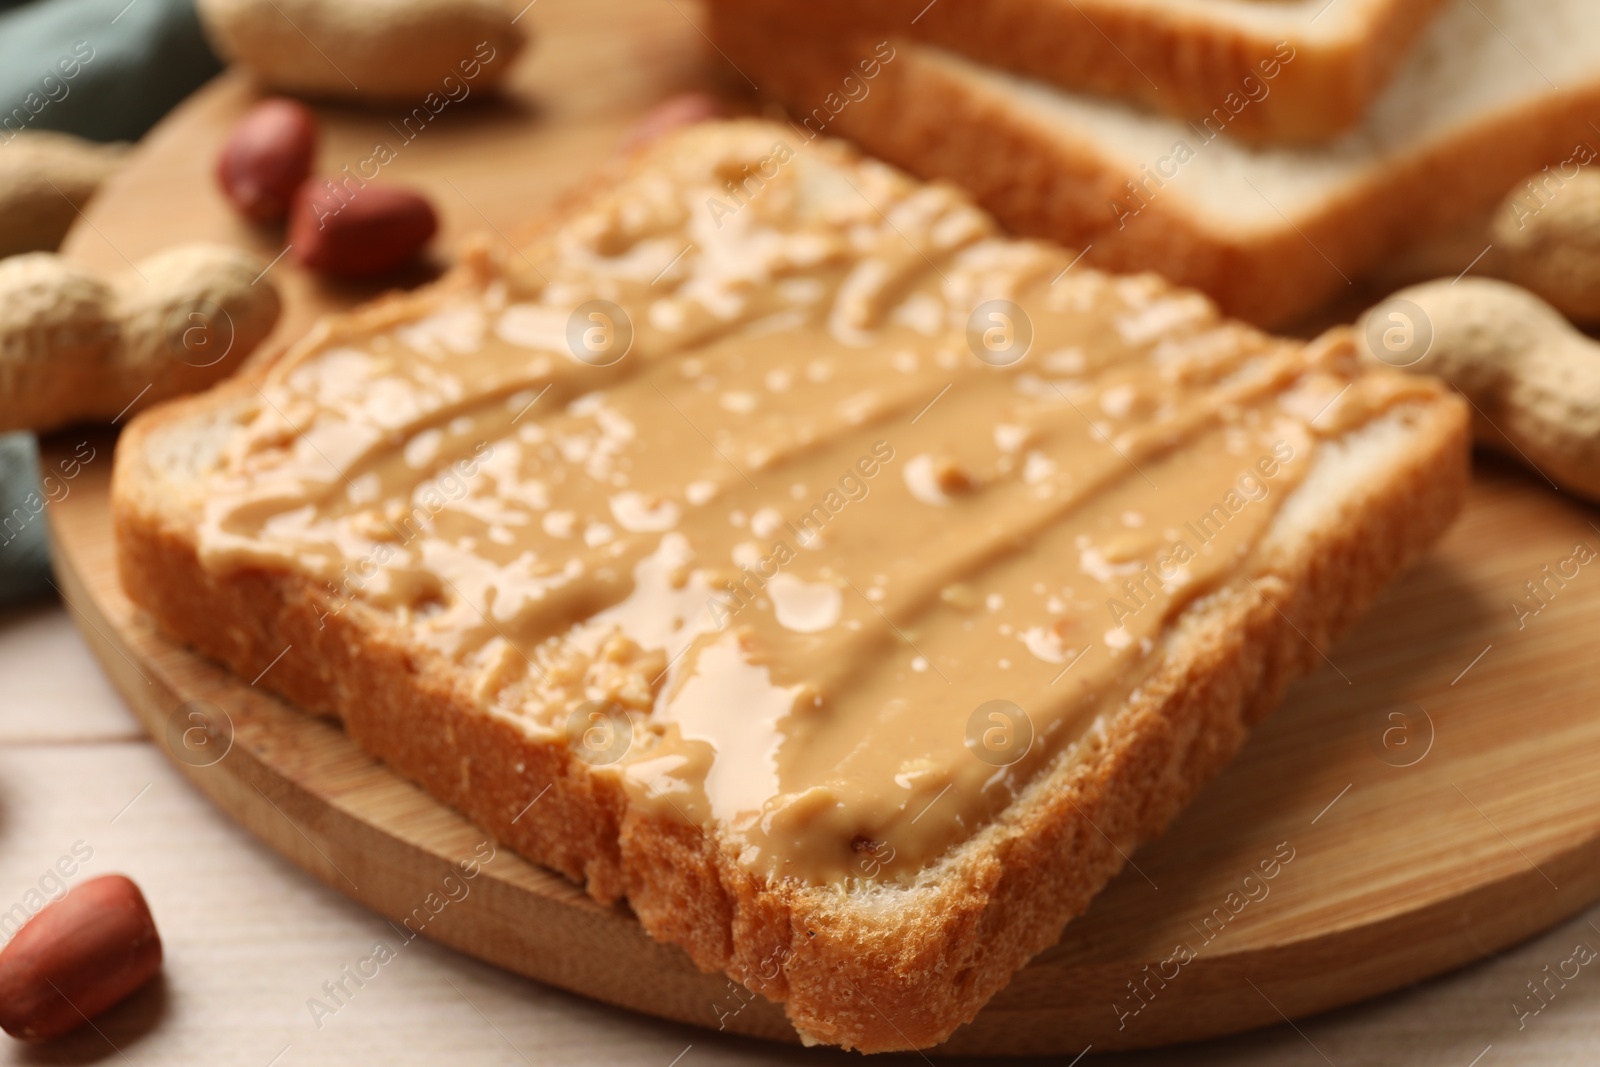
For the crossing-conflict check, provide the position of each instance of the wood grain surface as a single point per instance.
(1430, 796)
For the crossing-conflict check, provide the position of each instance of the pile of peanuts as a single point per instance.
(343, 230)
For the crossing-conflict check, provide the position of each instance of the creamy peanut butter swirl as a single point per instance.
(713, 486)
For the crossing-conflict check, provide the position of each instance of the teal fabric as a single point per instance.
(133, 62)
(24, 551)
(103, 69)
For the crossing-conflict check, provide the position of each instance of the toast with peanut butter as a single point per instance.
(852, 586)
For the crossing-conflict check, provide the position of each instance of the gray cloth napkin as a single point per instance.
(24, 551)
(102, 69)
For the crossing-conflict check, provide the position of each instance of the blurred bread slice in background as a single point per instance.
(1494, 91)
(1179, 57)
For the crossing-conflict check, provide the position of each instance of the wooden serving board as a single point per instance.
(1431, 796)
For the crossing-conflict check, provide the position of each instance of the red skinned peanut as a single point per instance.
(266, 157)
(77, 957)
(357, 231)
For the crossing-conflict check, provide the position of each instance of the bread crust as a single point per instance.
(888, 968)
(1172, 59)
(1039, 182)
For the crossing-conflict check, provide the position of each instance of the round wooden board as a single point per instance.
(1429, 797)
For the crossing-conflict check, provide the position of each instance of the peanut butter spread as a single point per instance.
(786, 490)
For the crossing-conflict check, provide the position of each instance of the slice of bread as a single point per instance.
(1495, 91)
(210, 491)
(1311, 68)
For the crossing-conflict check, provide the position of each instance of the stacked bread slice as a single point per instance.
(1269, 152)
(1326, 62)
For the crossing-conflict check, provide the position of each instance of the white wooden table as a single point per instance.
(250, 939)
